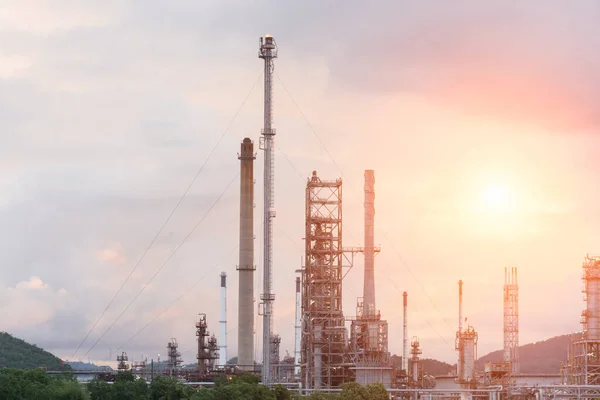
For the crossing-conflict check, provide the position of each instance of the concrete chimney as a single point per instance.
(369, 282)
(246, 264)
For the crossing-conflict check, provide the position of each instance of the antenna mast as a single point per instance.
(268, 52)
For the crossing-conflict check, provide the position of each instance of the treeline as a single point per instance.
(36, 384)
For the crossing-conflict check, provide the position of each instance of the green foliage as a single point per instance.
(281, 393)
(376, 391)
(35, 384)
(16, 353)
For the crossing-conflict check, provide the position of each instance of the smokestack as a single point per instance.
(298, 327)
(460, 318)
(246, 262)
(405, 334)
(369, 282)
(223, 322)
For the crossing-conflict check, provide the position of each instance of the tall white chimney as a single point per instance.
(298, 327)
(223, 322)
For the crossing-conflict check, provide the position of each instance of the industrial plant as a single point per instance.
(332, 347)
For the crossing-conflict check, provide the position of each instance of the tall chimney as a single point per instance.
(460, 318)
(298, 328)
(405, 334)
(246, 264)
(223, 322)
(369, 282)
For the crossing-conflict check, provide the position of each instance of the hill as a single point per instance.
(544, 357)
(430, 366)
(16, 353)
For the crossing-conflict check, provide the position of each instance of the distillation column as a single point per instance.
(246, 262)
(223, 322)
(511, 319)
(466, 345)
(268, 52)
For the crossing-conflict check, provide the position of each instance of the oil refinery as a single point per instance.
(334, 347)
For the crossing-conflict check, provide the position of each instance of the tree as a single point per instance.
(376, 391)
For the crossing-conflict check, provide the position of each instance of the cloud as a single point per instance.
(511, 62)
(113, 254)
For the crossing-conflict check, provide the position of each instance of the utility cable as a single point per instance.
(312, 129)
(164, 224)
(164, 264)
(182, 295)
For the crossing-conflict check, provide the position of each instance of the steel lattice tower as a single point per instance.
(324, 336)
(268, 52)
(511, 319)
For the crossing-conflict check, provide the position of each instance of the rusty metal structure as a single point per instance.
(324, 335)
(173, 356)
(207, 347)
(122, 360)
(511, 320)
(584, 364)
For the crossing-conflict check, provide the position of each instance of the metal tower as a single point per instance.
(268, 52)
(246, 265)
(173, 356)
(324, 335)
(586, 351)
(511, 319)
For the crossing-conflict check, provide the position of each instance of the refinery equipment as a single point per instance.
(246, 261)
(324, 335)
(122, 365)
(466, 345)
(223, 322)
(415, 368)
(173, 356)
(368, 332)
(268, 52)
(207, 347)
(584, 365)
(501, 373)
(511, 319)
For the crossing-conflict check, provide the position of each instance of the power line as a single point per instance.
(164, 264)
(164, 224)
(182, 295)
(312, 129)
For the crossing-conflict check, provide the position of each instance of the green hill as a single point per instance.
(543, 357)
(16, 353)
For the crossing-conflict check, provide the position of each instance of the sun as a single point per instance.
(497, 198)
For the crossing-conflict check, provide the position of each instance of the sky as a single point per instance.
(480, 119)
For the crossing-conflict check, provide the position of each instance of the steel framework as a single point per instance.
(207, 347)
(268, 52)
(511, 319)
(324, 336)
(584, 368)
(173, 356)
